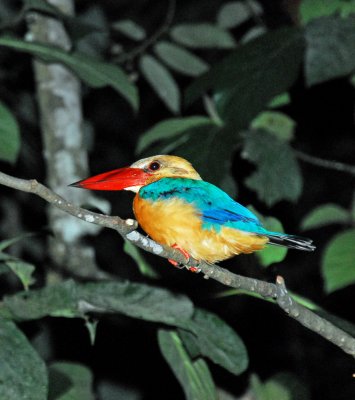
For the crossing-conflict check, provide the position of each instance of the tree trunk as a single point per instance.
(59, 100)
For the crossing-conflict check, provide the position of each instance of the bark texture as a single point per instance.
(59, 101)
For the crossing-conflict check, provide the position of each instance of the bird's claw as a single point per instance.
(187, 256)
(176, 264)
(194, 269)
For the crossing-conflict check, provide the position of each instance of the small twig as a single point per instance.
(329, 164)
(152, 39)
(126, 228)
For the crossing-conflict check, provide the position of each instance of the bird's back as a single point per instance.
(192, 214)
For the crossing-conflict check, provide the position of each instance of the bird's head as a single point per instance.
(140, 173)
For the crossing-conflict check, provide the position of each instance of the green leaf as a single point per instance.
(23, 271)
(95, 73)
(137, 301)
(253, 74)
(70, 299)
(55, 300)
(144, 267)
(271, 254)
(9, 135)
(91, 326)
(312, 9)
(278, 175)
(324, 215)
(202, 35)
(170, 128)
(130, 28)
(161, 82)
(113, 390)
(4, 244)
(338, 268)
(179, 59)
(190, 342)
(23, 374)
(70, 381)
(330, 49)
(276, 123)
(234, 13)
(304, 301)
(280, 100)
(282, 386)
(253, 33)
(270, 390)
(194, 376)
(218, 341)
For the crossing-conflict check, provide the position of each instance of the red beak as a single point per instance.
(117, 179)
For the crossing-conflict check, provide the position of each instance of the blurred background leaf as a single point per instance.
(338, 267)
(277, 174)
(179, 59)
(95, 73)
(218, 341)
(161, 81)
(202, 35)
(313, 9)
(194, 375)
(325, 214)
(70, 381)
(23, 373)
(144, 267)
(23, 270)
(275, 122)
(283, 386)
(169, 129)
(234, 13)
(330, 51)
(70, 299)
(130, 28)
(9, 135)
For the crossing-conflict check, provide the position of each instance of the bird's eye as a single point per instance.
(154, 166)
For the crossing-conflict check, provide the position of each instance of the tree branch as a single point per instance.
(329, 164)
(127, 229)
(152, 39)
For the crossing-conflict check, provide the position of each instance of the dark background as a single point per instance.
(126, 351)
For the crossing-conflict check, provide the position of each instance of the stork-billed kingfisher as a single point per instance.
(175, 207)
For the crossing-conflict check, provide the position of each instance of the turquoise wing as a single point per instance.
(216, 208)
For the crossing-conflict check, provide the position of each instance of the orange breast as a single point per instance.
(175, 221)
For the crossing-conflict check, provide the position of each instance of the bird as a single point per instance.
(177, 208)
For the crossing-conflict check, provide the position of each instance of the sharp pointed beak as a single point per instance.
(118, 179)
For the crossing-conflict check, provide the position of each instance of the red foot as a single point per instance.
(187, 256)
(194, 269)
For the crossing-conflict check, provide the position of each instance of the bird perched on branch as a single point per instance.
(175, 207)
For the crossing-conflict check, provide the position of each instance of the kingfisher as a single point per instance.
(175, 207)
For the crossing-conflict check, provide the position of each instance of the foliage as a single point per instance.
(9, 135)
(193, 375)
(226, 92)
(23, 373)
